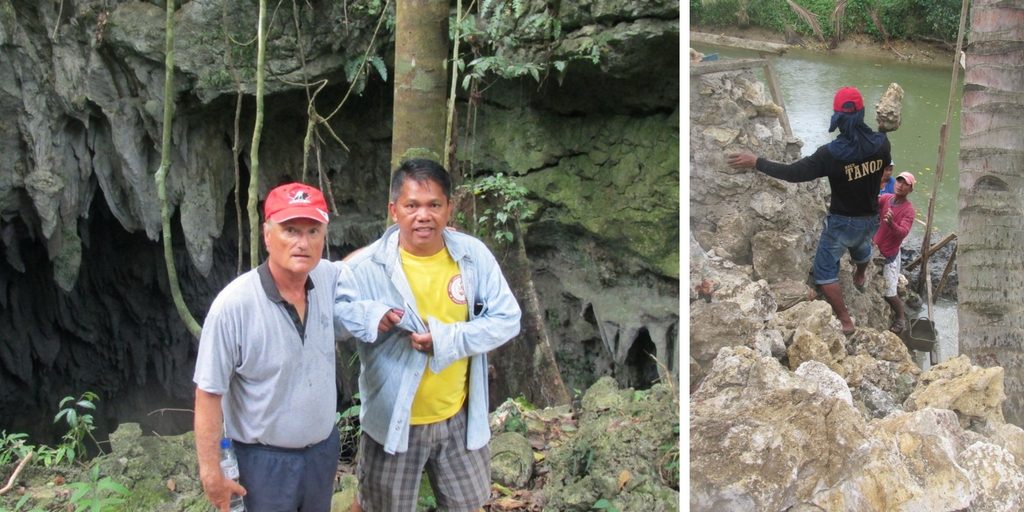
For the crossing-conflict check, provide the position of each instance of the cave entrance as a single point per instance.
(641, 366)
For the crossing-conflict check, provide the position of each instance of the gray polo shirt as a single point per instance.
(277, 384)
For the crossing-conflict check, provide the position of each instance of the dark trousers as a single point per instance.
(286, 479)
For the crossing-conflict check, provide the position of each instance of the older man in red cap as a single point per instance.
(265, 369)
(853, 164)
(896, 218)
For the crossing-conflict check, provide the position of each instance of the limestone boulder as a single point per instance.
(511, 460)
(764, 438)
(974, 393)
(780, 256)
(1007, 435)
(761, 436)
(717, 325)
(790, 292)
(811, 332)
(996, 477)
(828, 382)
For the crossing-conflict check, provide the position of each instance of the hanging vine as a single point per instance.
(254, 149)
(161, 177)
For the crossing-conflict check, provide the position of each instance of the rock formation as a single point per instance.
(84, 302)
(787, 413)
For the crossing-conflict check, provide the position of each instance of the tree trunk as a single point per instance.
(526, 365)
(991, 289)
(421, 47)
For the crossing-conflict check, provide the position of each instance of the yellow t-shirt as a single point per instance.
(436, 283)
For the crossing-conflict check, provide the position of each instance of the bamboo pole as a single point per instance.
(945, 274)
(773, 86)
(940, 166)
(917, 261)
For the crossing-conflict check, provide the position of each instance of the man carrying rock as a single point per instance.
(896, 218)
(853, 164)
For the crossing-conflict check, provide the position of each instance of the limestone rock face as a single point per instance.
(763, 438)
(974, 393)
(81, 95)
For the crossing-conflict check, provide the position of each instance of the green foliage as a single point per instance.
(12, 446)
(523, 404)
(714, 13)
(512, 39)
(901, 19)
(348, 425)
(23, 503)
(80, 424)
(604, 504)
(97, 494)
(357, 71)
(507, 200)
(668, 461)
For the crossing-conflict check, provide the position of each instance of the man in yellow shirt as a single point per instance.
(426, 304)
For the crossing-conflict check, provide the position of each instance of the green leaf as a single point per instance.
(108, 484)
(382, 69)
(85, 404)
(81, 488)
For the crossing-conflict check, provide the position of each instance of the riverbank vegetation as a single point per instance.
(830, 21)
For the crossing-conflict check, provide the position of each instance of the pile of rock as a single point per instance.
(787, 413)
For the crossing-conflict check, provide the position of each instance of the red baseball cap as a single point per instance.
(907, 177)
(295, 201)
(847, 95)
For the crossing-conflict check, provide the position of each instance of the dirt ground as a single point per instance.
(924, 52)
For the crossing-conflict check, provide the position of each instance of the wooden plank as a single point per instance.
(917, 261)
(773, 87)
(718, 66)
(735, 42)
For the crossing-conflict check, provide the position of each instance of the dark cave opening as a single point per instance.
(641, 366)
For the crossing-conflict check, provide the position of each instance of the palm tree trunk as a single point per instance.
(990, 258)
(421, 47)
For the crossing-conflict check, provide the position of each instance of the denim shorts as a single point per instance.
(839, 234)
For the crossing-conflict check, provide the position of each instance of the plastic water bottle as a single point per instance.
(229, 465)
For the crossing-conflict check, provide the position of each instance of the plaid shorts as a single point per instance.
(461, 478)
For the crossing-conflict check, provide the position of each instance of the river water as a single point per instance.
(808, 80)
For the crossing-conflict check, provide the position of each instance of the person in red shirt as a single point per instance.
(896, 217)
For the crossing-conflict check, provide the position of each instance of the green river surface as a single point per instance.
(808, 80)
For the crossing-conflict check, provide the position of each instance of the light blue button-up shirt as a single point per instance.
(373, 282)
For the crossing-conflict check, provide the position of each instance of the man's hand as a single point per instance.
(743, 160)
(888, 217)
(422, 342)
(219, 490)
(390, 319)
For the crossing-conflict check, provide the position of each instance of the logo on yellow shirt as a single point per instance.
(455, 291)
